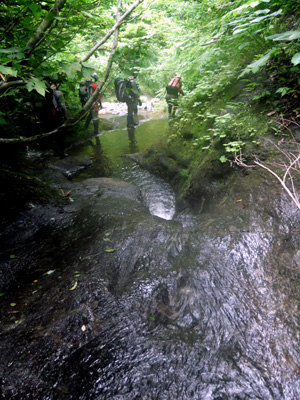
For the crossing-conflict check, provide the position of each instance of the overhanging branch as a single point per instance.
(113, 29)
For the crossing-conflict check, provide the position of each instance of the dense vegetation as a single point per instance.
(239, 61)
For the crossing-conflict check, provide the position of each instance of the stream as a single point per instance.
(131, 299)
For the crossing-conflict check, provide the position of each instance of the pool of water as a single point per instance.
(108, 153)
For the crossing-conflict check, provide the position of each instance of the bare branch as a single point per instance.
(293, 160)
(292, 196)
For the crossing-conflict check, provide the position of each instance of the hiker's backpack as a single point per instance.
(48, 108)
(54, 107)
(174, 86)
(121, 90)
(85, 91)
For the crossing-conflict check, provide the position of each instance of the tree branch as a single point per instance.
(44, 26)
(113, 29)
(292, 159)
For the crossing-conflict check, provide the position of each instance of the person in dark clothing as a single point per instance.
(94, 113)
(57, 117)
(173, 88)
(133, 100)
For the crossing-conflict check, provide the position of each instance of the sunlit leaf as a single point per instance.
(255, 66)
(289, 35)
(13, 304)
(8, 71)
(49, 272)
(296, 59)
(71, 69)
(36, 84)
(239, 31)
(223, 159)
(75, 286)
(110, 250)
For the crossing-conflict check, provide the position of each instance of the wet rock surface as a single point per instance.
(119, 304)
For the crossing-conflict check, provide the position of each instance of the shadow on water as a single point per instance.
(147, 308)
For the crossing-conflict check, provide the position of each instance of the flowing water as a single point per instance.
(192, 307)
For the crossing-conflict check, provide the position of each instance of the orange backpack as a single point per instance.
(174, 85)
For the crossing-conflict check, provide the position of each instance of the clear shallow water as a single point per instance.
(108, 151)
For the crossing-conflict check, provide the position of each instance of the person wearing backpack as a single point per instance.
(94, 113)
(132, 100)
(173, 89)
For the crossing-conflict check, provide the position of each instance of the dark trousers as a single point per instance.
(132, 110)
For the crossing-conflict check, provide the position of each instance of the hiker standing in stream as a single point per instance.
(133, 99)
(58, 117)
(94, 113)
(173, 88)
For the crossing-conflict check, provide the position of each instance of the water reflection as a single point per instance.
(101, 165)
(133, 148)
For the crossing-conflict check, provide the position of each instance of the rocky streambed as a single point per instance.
(108, 301)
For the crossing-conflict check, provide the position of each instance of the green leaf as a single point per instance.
(10, 50)
(36, 10)
(12, 256)
(36, 84)
(2, 294)
(296, 59)
(283, 90)
(289, 35)
(255, 66)
(110, 251)
(223, 159)
(8, 71)
(13, 304)
(3, 121)
(71, 69)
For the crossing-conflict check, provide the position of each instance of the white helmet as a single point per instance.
(95, 76)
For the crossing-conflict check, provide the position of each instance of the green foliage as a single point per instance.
(54, 55)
